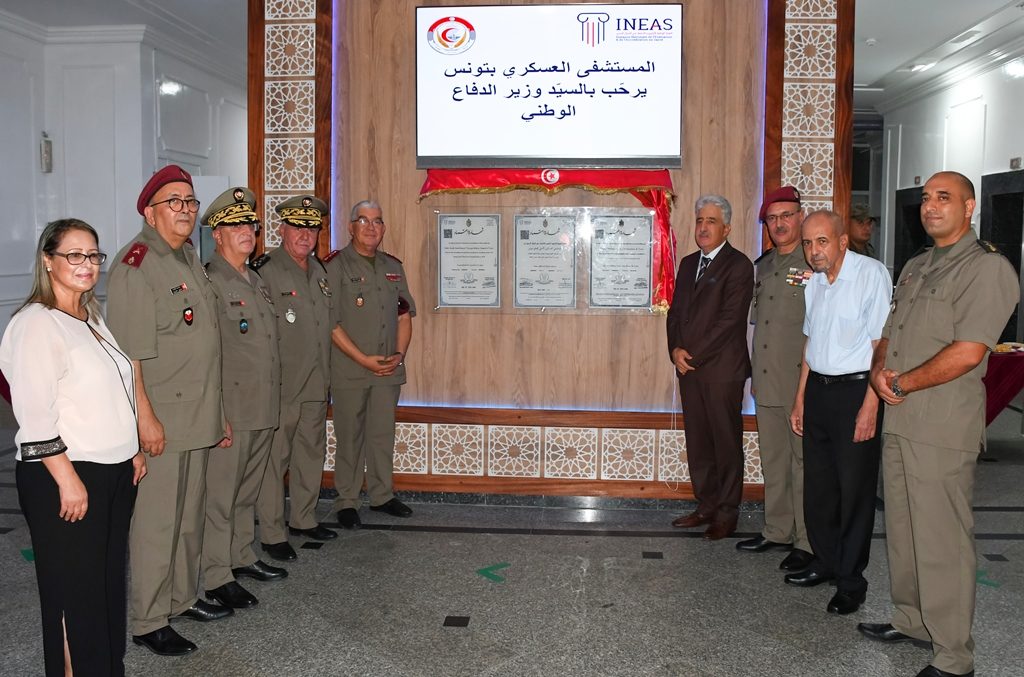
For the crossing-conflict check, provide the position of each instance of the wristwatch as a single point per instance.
(895, 388)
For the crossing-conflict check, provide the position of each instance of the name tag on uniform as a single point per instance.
(798, 277)
(180, 288)
(393, 277)
(237, 303)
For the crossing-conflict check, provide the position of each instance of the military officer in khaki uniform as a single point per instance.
(303, 302)
(252, 398)
(374, 327)
(949, 308)
(777, 313)
(162, 309)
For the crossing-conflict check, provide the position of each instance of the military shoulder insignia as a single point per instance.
(259, 261)
(765, 255)
(391, 256)
(133, 257)
(988, 247)
(331, 255)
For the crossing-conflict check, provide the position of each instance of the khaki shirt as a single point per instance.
(303, 302)
(777, 313)
(162, 310)
(966, 295)
(367, 309)
(248, 335)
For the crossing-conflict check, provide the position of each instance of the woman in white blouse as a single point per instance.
(78, 452)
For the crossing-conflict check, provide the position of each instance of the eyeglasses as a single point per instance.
(177, 204)
(364, 222)
(772, 218)
(78, 258)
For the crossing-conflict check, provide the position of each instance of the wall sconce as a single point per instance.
(46, 154)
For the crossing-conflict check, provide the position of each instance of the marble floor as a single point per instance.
(569, 586)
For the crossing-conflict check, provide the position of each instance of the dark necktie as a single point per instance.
(705, 261)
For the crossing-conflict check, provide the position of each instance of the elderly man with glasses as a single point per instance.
(371, 336)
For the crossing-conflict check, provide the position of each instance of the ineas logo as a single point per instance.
(592, 27)
(451, 35)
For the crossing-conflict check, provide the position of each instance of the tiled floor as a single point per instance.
(561, 588)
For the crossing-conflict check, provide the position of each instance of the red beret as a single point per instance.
(168, 174)
(784, 194)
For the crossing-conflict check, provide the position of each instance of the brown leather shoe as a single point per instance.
(719, 530)
(694, 519)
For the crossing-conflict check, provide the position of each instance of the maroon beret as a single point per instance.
(169, 174)
(784, 194)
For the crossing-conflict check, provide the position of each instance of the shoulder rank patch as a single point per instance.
(765, 255)
(133, 257)
(331, 255)
(391, 256)
(988, 247)
(259, 261)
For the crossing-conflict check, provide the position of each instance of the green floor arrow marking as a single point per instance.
(28, 555)
(489, 572)
(982, 578)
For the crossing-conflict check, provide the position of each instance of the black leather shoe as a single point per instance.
(807, 579)
(165, 642)
(282, 552)
(883, 632)
(843, 603)
(932, 671)
(394, 507)
(205, 612)
(798, 560)
(261, 571)
(232, 595)
(317, 533)
(348, 518)
(760, 544)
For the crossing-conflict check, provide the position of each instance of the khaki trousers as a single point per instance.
(782, 464)
(299, 448)
(166, 538)
(930, 538)
(364, 425)
(233, 478)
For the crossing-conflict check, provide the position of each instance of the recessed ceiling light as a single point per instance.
(170, 88)
(1015, 68)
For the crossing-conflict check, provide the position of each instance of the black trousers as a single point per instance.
(840, 477)
(81, 566)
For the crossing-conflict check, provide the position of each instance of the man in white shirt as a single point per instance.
(836, 412)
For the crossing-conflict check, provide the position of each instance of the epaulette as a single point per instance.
(392, 256)
(259, 261)
(770, 251)
(988, 247)
(331, 255)
(922, 250)
(133, 257)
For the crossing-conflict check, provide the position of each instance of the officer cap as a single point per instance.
(169, 174)
(861, 212)
(784, 194)
(232, 207)
(303, 211)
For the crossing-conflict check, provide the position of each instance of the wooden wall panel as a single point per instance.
(528, 359)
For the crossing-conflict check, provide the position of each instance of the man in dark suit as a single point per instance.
(707, 341)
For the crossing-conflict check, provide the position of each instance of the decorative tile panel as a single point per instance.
(332, 446)
(275, 10)
(457, 449)
(808, 166)
(815, 205)
(810, 51)
(411, 448)
(513, 451)
(271, 221)
(570, 453)
(289, 164)
(811, 9)
(289, 107)
(627, 454)
(290, 50)
(752, 459)
(809, 110)
(672, 462)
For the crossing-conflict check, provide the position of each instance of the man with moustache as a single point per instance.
(252, 395)
(707, 343)
(835, 410)
(163, 312)
(778, 317)
(949, 308)
(304, 305)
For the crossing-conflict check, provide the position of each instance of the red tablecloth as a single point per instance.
(1003, 380)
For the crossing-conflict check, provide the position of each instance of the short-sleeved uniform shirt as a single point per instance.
(367, 309)
(248, 335)
(777, 314)
(964, 294)
(303, 301)
(162, 310)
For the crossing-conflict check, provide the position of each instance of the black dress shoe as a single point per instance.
(798, 560)
(807, 579)
(261, 571)
(349, 518)
(282, 552)
(232, 595)
(883, 632)
(843, 602)
(394, 507)
(165, 642)
(932, 671)
(205, 612)
(318, 533)
(760, 544)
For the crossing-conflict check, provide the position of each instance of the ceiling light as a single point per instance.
(170, 88)
(921, 67)
(1015, 68)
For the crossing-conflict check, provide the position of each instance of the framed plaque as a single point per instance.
(620, 261)
(545, 263)
(468, 260)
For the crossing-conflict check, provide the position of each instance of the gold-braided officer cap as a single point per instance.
(232, 207)
(303, 211)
